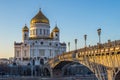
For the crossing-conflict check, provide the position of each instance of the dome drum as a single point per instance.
(39, 25)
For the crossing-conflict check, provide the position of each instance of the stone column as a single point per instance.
(110, 74)
(51, 72)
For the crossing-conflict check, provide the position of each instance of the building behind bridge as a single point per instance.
(38, 44)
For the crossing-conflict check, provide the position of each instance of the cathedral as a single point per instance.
(38, 43)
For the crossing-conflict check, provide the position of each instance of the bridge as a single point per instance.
(98, 58)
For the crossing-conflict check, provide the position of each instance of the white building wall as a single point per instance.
(50, 50)
(17, 51)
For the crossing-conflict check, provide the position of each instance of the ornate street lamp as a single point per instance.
(99, 34)
(69, 46)
(85, 38)
(75, 44)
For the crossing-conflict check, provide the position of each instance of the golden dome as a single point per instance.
(25, 29)
(56, 29)
(40, 18)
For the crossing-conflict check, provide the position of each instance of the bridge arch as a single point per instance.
(47, 72)
(61, 64)
(117, 74)
(77, 69)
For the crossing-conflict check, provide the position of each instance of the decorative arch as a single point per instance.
(61, 64)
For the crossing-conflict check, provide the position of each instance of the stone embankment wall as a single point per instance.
(20, 78)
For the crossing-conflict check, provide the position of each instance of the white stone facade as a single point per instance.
(41, 45)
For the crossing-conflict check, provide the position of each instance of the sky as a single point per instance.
(73, 17)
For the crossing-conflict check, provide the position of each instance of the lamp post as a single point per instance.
(85, 38)
(69, 46)
(99, 46)
(99, 34)
(75, 44)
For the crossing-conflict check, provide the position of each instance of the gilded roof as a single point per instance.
(56, 29)
(25, 28)
(40, 18)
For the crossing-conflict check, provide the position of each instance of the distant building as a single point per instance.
(4, 61)
(38, 44)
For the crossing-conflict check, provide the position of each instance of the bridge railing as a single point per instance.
(104, 49)
(88, 52)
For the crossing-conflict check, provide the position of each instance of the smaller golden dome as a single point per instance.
(25, 29)
(40, 18)
(56, 29)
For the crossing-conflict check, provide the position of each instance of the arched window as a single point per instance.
(44, 31)
(50, 44)
(41, 43)
(17, 53)
(25, 53)
(40, 31)
(25, 36)
(56, 35)
(56, 44)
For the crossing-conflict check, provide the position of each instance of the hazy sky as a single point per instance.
(74, 18)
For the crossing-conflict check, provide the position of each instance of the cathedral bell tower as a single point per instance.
(25, 33)
(55, 33)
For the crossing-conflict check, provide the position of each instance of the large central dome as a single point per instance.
(40, 18)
